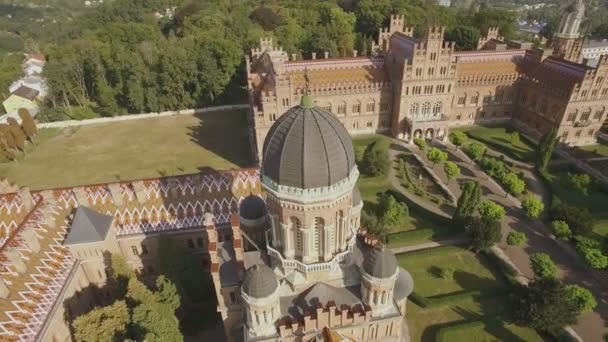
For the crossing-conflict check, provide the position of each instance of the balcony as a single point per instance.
(582, 123)
(427, 118)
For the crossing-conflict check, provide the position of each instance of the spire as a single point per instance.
(307, 101)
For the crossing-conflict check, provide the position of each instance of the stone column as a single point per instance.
(345, 232)
(276, 241)
(287, 242)
(4, 291)
(15, 258)
(327, 243)
(306, 249)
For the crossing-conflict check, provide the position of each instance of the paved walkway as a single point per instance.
(590, 326)
(431, 244)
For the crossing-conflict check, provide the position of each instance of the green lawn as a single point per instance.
(481, 331)
(596, 201)
(598, 150)
(470, 273)
(134, 149)
(499, 138)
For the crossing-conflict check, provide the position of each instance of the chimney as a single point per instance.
(314, 55)
(140, 191)
(81, 196)
(326, 54)
(26, 198)
(15, 258)
(116, 193)
(29, 235)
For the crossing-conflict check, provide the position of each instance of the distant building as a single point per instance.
(593, 49)
(567, 41)
(23, 97)
(444, 3)
(34, 82)
(34, 64)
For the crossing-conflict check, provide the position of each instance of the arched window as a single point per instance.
(296, 227)
(426, 108)
(318, 234)
(414, 108)
(437, 108)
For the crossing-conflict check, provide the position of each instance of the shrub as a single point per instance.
(543, 266)
(533, 206)
(457, 138)
(579, 220)
(475, 150)
(484, 232)
(447, 273)
(491, 210)
(513, 183)
(561, 230)
(579, 181)
(393, 212)
(421, 143)
(375, 159)
(581, 297)
(516, 238)
(592, 254)
(437, 156)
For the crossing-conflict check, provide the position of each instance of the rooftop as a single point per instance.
(26, 93)
(88, 226)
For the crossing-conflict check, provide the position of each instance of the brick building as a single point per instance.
(420, 87)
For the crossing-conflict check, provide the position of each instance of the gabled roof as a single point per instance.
(26, 93)
(88, 226)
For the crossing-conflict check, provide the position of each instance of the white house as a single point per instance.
(34, 82)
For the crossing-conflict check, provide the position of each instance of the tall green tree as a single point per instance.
(468, 202)
(483, 231)
(437, 156)
(545, 149)
(451, 170)
(108, 323)
(375, 160)
(491, 210)
(544, 305)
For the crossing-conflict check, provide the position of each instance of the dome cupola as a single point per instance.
(260, 281)
(380, 263)
(308, 148)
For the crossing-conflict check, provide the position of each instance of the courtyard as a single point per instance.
(135, 149)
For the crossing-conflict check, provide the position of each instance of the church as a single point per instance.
(413, 87)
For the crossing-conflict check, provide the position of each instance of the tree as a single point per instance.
(266, 18)
(465, 37)
(27, 123)
(483, 231)
(592, 253)
(542, 265)
(371, 223)
(18, 136)
(579, 182)
(582, 298)
(561, 229)
(451, 170)
(545, 149)
(167, 293)
(544, 305)
(491, 210)
(533, 206)
(475, 150)
(468, 202)
(514, 184)
(601, 31)
(375, 159)
(458, 138)
(108, 323)
(516, 238)
(421, 143)
(437, 156)
(579, 220)
(393, 213)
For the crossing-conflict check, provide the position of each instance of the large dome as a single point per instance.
(307, 148)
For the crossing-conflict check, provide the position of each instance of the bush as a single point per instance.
(457, 138)
(543, 266)
(533, 206)
(393, 212)
(561, 230)
(484, 232)
(590, 251)
(475, 150)
(581, 297)
(516, 238)
(491, 210)
(513, 183)
(421, 143)
(579, 220)
(437, 156)
(447, 273)
(579, 182)
(375, 159)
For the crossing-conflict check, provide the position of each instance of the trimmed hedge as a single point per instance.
(442, 334)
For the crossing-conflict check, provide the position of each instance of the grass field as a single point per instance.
(596, 200)
(499, 138)
(133, 149)
(470, 273)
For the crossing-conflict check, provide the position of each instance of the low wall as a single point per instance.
(72, 123)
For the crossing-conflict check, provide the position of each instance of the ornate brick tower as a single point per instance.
(309, 175)
(567, 42)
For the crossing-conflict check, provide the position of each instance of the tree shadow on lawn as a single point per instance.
(226, 137)
(494, 325)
